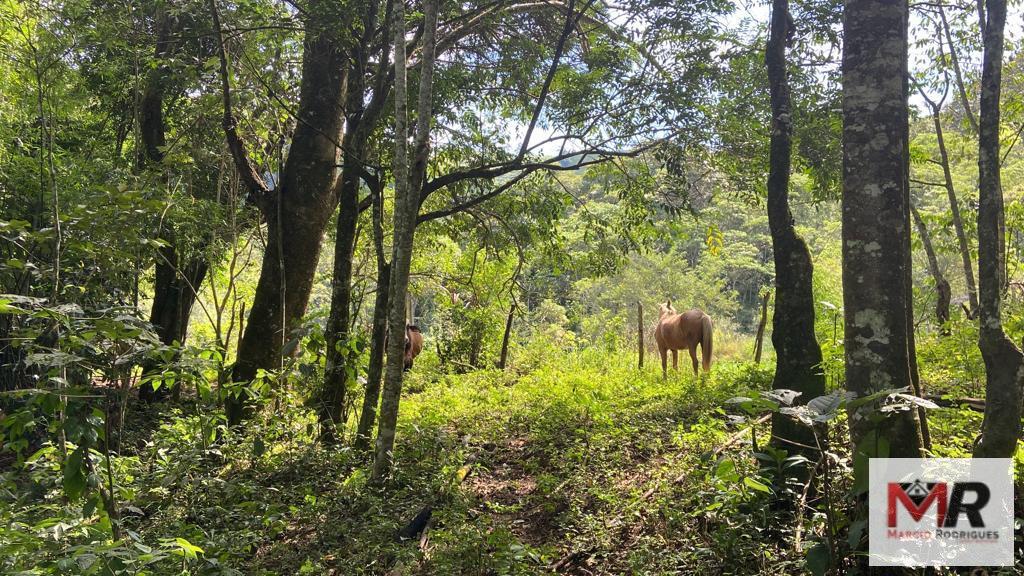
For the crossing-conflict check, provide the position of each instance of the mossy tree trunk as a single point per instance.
(1004, 365)
(408, 187)
(798, 364)
(297, 211)
(876, 225)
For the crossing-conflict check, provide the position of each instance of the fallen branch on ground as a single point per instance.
(975, 404)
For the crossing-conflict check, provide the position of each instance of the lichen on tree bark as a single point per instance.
(876, 222)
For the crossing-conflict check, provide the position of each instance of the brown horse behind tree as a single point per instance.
(413, 344)
(677, 331)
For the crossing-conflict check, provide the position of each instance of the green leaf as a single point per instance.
(74, 474)
(818, 559)
(90, 507)
(782, 396)
(917, 400)
(85, 561)
(726, 470)
(861, 401)
(44, 451)
(188, 549)
(755, 485)
(7, 308)
(829, 403)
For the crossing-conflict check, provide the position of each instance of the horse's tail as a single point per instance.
(706, 341)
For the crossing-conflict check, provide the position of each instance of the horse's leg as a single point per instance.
(675, 360)
(664, 361)
(693, 358)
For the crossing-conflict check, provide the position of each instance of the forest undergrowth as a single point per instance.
(570, 462)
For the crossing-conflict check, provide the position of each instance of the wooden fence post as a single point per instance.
(505, 337)
(640, 334)
(759, 341)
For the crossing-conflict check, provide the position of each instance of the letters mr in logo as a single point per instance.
(917, 497)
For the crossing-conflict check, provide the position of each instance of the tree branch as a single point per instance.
(552, 164)
(434, 215)
(927, 183)
(546, 87)
(956, 71)
(248, 174)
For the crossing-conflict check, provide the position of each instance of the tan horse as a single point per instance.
(677, 331)
(413, 344)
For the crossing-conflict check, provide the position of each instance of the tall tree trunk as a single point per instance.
(298, 211)
(371, 397)
(944, 293)
(175, 282)
(798, 363)
(876, 224)
(954, 207)
(759, 338)
(921, 418)
(378, 340)
(339, 323)
(1004, 364)
(175, 287)
(173, 302)
(507, 335)
(408, 184)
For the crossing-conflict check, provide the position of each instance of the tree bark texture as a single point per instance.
(943, 291)
(375, 370)
(408, 185)
(798, 363)
(378, 340)
(298, 211)
(876, 224)
(1004, 365)
(176, 280)
(339, 369)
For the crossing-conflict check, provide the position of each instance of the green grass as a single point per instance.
(578, 463)
(572, 460)
(572, 463)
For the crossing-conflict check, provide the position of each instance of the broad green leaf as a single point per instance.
(74, 474)
(755, 485)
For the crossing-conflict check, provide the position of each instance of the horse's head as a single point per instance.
(665, 308)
